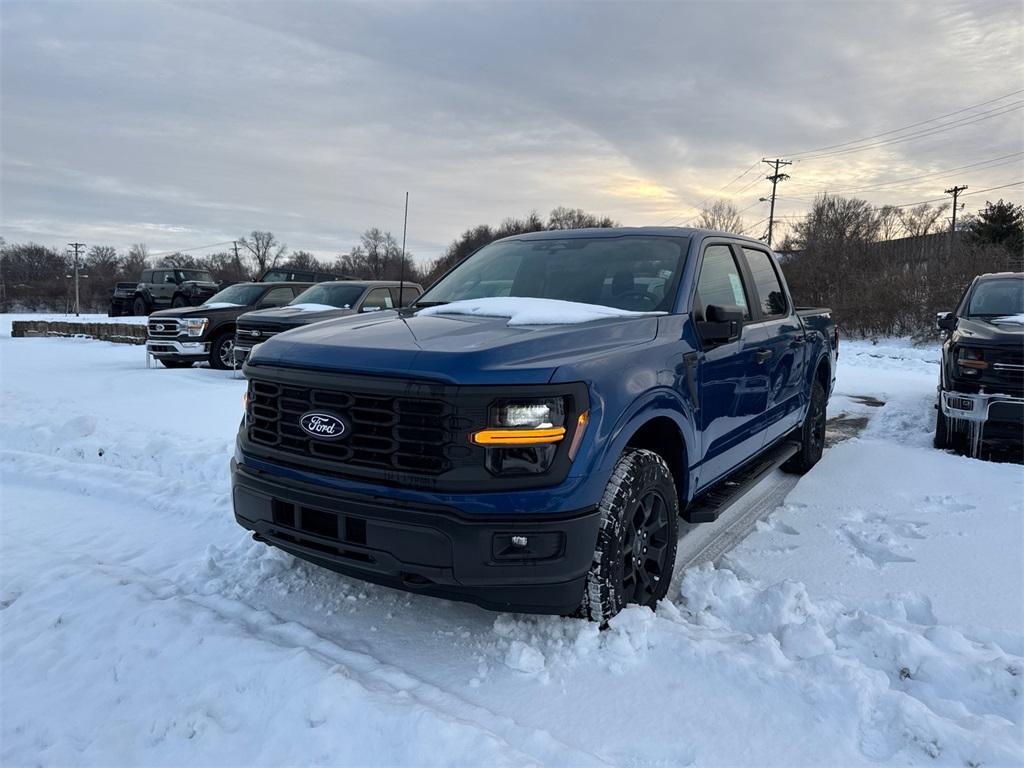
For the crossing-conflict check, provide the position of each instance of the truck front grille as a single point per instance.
(163, 329)
(250, 335)
(392, 433)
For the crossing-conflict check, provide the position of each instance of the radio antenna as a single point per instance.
(401, 274)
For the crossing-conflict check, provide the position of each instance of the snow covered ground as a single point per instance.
(876, 616)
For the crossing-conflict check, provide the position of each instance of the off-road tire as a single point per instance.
(632, 522)
(140, 307)
(114, 312)
(222, 351)
(941, 439)
(176, 363)
(811, 433)
(179, 301)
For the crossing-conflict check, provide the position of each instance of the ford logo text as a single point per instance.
(322, 425)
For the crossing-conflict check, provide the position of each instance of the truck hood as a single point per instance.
(460, 349)
(294, 316)
(218, 310)
(985, 332)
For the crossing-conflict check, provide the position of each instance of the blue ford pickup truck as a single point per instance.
(527, 434)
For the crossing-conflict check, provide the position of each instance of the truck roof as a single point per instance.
(561, 234)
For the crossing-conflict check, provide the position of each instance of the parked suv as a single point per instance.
(981, 381)
(160, 288)
(526, 435)
(180, 337)
(122, 297)
(324, 301)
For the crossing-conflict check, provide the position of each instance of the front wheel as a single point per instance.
(636, 543)
(812, 433)
(139, 306)
(222, 352)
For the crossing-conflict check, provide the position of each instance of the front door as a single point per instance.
(728, 412)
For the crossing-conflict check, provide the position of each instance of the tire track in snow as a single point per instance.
(374, 674)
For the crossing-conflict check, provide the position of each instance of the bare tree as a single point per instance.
(921, 219)
(889, 224)
(264, 249)
(306, 260)
(576, 218)
(723, 216)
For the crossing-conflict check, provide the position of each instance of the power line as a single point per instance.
(697, 208)
(994, 162)
(988, 115)
(906, 127)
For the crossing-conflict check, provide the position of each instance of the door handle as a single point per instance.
(762, 355)
(797, 343)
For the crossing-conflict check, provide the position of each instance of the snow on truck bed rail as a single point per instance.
(525, 311)
(874, 618)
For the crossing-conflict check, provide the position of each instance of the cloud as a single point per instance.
(313, 120)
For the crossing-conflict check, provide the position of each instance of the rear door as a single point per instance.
(727, 415)
(778, 339)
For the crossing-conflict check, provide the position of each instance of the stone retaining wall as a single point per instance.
(122, 333)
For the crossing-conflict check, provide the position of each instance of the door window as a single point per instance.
(277, 297)
(770, 295)
(720, 281)
(378, 298)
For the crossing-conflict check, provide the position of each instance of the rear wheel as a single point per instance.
(812, 433)
(222, 352)
(636, 543)
(176, 363)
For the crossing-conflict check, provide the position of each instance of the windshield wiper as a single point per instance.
(425, 304)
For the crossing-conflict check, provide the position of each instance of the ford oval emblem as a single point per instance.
(159, 327)
(322, 425)
(254, 334)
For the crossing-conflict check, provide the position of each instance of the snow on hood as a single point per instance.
(314, 307)
(525, 311)
(1010, 320)
(220, 305)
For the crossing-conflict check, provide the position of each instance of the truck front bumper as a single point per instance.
(515, 562)
(178, 350)
(989, 416)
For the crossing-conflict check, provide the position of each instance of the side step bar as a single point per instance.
(711, 503)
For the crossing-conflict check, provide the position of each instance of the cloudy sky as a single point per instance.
(187, 124)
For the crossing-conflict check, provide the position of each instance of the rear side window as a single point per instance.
(409, 295)
(767, 284)
(147, 277)
(720, 281)
(277, 297)
(378, 298)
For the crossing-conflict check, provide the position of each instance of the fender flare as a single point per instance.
(661, 402)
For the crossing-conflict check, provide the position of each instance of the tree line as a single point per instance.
(884, 270)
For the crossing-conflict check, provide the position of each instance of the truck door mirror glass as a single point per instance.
(722, 323)
(946, 321)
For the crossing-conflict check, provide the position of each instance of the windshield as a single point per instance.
(997, 298)
(336, 294)
(631, 272)
(194, 274)
(241, 293)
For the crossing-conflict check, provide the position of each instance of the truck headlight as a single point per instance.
(522, 436)
(971, 362)
(195, 326)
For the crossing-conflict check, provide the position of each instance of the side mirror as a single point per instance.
(945, 321)
(721, 323)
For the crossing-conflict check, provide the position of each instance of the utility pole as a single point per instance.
(78, 248)
(775, 178)
(955, 192)
(238, 262)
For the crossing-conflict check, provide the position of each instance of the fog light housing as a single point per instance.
(537, 546)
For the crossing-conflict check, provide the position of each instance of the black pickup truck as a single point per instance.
(324, 301)
(981, 382)
(180, 337)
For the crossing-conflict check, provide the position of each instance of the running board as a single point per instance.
(711, 503)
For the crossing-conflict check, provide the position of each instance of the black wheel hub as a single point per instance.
(645, 548)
